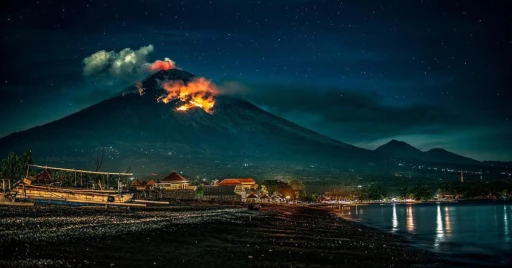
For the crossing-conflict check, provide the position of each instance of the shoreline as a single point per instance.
(461, 201)
(209, 236)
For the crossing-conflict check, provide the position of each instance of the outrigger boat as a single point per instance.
(24, 191)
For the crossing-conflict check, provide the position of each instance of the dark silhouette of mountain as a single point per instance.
(400, 149)
(441, 155)
(407, 152)
(148, 137)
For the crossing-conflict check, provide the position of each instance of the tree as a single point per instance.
(26, 159)
(199, 191)
(298, 187)
(263, 189)
(10, 167)
(14, 167)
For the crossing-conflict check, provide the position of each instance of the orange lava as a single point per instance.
(199, 92)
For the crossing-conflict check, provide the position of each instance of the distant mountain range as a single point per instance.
(406, 152)
(237, 139)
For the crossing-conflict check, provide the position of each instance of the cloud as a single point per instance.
(127, 62)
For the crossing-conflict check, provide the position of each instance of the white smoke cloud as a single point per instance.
(123, 63)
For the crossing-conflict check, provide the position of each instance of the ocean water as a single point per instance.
(472, 232)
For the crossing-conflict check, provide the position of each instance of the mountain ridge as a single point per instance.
(405, 151)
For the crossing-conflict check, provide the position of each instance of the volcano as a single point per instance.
(139, 134)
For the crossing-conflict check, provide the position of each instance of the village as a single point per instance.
(54, 185)
(176, 187)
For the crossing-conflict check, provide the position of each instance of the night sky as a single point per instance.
(431, 73)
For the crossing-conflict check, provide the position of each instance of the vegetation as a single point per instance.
(14, 167)
(199, 191)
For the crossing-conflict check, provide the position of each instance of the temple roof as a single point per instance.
(234, 181)
(174, 177)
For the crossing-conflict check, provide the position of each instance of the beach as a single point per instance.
(197, 236)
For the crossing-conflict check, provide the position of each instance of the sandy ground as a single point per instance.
(197, 236)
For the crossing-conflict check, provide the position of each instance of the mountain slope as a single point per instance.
(400, 149)
(441, 155)
(147, 136)
(405, 151)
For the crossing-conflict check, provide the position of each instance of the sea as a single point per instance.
(475, 233)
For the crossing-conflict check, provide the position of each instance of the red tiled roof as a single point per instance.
(151, 183)
(232, 181)
(136, 183)
(246, 180)
(43, 176)
(174, 177)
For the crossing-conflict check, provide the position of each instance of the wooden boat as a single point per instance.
(24, 191)
(45, 194)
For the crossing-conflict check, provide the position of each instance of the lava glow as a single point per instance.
(140, 88)
(162, 65)
(199, 92)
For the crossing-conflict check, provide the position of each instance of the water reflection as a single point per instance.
(505, 223)
(447, 222)
(395, 219)
(453, 228)
(439, 228)
(345, 210)
(410, 219)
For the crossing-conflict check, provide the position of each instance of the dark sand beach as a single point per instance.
(197, 236)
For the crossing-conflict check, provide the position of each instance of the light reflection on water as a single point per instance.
(439, 228)
(455, 228)
(447, 222)
(395, 219)
(410, 219)
(505, 224)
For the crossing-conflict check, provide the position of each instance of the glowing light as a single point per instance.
(505, 223)
(410, 219)
(162, 65)
(199, 92)
(447, 222)
(395, 219)
(439, 230)
(140, 88)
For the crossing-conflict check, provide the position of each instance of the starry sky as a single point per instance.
(431, 73)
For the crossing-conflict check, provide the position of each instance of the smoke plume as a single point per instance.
(126, 62)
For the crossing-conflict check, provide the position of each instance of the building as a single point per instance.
(251, 198)
(150, 184)
(139, 185)
(265, 198)
(221, 193)
(43, 177)
(242, 184)
(174, 181)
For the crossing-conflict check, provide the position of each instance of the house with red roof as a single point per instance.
(43, 177)
(150, 184)
(139, 185)
(242, 184)
(174, 181)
